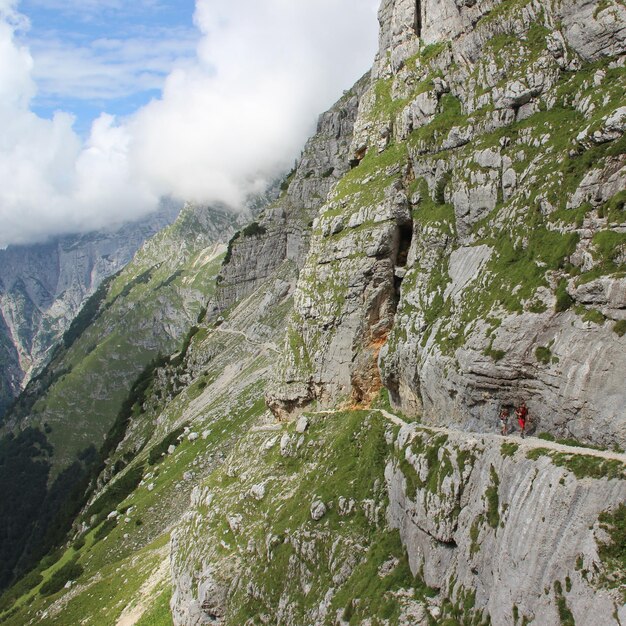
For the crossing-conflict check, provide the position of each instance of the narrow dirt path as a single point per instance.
(133, 613)
(528, 442)
(267, 345)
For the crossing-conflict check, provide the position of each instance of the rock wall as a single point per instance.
(282, 231)
(475, 253)
(515, 529)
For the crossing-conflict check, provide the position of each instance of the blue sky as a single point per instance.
(105, 55)
(107, 106)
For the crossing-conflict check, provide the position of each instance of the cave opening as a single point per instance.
(404, 245)
(358, 157)
(405, 239)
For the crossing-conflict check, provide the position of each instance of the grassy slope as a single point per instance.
(118, 560)
(144, 311)
(282, 554)
(149, 307)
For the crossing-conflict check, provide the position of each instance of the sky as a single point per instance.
(108, 105)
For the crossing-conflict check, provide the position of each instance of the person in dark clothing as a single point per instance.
(504, 421)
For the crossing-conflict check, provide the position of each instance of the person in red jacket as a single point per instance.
(522, 416)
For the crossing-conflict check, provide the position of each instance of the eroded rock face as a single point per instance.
(521, 534)
(474, 256)
(344, 305)
(283, 229)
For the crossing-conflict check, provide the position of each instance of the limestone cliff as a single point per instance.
(475, 255)
(514, 526)
(282, 231)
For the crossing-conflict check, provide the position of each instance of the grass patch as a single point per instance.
(508, 449)
(563, 300)
(619, 328)
(493, 501)
(586, 466)
(159, 613)
(474, 534)
(546, 437)
(367, 593)
(543, 355)
(565, 615)
(581, 465)
(537, 453)
(70, 571)
(158, 451)
(613, 552)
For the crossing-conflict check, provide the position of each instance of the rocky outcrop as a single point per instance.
(475, 254)
(508, 529)
(282, 231)
(43, 286)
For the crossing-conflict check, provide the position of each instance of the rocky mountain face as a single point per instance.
(476, 254)
(323, 449)
(282, 231)
(43, 286)
(515, 526)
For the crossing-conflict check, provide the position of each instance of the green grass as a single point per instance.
(546, 436)
(71, 571)
(565, 615)
(429, 52)
(543, 355)
(586, 466)
(594, 316)
(159, 613)
(508, 449)
(613, 551)
(438, 460)
(474, 534)
(493, 501)
(581, 465)
(372, 168)
(371, 591)
(346, 457)
(132, 547)
(430, 136)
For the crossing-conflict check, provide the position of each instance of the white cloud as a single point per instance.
(225, 122)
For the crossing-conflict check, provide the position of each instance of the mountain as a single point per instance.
(43, 286)
(56, 427)
(325, 448)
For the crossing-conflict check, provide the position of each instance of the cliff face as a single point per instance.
(513, 525)
(282, 231)
(42, 288)
(475, 256)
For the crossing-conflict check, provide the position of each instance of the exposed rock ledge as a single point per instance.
(478, 515)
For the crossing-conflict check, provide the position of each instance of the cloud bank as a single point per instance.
(226, 121)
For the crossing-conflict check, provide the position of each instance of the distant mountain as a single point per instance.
(43, 286)
(50, 437)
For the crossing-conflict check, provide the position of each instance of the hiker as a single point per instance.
(504, 421)
(522, 416)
